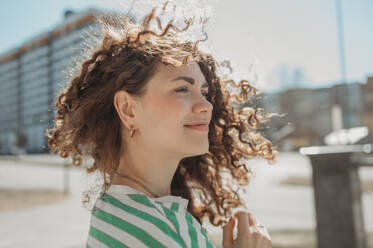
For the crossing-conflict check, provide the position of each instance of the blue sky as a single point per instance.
(266, 34)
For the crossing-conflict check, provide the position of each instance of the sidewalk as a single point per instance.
(65, 224)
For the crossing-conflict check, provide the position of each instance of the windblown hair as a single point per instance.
(86, 121)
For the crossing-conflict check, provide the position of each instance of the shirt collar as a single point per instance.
(124, 189)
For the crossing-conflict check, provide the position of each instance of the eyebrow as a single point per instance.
(190, 80)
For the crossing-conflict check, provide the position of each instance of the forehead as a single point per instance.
(167, 73)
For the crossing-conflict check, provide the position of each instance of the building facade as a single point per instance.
(30, 78)
(309, 111)
(367, 118)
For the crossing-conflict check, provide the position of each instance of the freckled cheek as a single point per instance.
(173, 110)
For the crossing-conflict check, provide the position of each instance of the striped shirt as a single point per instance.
(125, 217)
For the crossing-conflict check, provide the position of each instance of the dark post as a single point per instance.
(337, 193)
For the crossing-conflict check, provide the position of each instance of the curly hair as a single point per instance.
(86, 121)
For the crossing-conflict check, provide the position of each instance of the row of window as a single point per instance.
(7, 103)
(8, 66)
(40, 64)
(10, 86)
(33, 105)
(9, 96)
(10, 115)
(36, 95)
(8, 91)
(8, 112)
(11, 74)
(66, 52)
(67, 39)
(35, 70)
(7, 126)
(34, 63)
(28, 109)
(32, 85)
(60, 67)
(36, 118)
(61, 63)
(4, 125)
(35, 76)
(34, 55)
(58, 84)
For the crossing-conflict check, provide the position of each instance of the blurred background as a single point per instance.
(311, 61)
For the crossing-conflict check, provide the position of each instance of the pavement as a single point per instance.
(65, 224)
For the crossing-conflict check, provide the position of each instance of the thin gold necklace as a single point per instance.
(155, 195)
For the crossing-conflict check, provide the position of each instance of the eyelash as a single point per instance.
(182, 89)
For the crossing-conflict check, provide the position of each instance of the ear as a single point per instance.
(124, 104)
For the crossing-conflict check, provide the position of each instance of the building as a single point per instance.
(350, 98)
(367, 119)
(308, 111)
(30, 77)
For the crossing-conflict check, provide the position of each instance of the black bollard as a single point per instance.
(337, 194)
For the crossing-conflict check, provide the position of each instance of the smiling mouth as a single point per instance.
(203, 127)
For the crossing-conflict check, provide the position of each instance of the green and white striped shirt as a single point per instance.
(125, 217)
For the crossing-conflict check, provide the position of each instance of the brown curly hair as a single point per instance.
(86, 121)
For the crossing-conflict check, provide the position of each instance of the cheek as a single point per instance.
(169, 111)
(174, 109)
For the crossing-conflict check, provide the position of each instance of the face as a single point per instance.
(174, 98)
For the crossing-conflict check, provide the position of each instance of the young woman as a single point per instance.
(157, 119)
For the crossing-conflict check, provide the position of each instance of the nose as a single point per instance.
(203, 105)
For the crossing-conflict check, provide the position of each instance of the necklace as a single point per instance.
(138, 183)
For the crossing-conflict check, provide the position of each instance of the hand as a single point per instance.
(249, 235)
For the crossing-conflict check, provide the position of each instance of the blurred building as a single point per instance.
(350, 98)
(306, 117)
(367, 118)
(30, 77)
(308, 112)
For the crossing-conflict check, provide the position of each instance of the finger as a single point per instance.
(262, 242)
(243, 223)
(255, 234)
(266, 234)
(252, 220)
(269, 243)
(228, 233)
(253, 237)
(262, 229)
(265, 240)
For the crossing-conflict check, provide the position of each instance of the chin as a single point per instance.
(199, 152)
(194, 148)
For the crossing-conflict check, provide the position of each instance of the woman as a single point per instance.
(155, 116)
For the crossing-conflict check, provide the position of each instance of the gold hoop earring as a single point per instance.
(132, 130)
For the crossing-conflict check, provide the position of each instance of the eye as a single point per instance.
(186, 89)
(182, 90)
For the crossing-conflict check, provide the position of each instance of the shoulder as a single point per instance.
(132, 218)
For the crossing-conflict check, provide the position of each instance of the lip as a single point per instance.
(197, 123)
(203, 127)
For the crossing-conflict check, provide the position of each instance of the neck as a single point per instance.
(153, 168)
(138, 183)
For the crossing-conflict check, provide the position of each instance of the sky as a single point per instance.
(266, 40)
